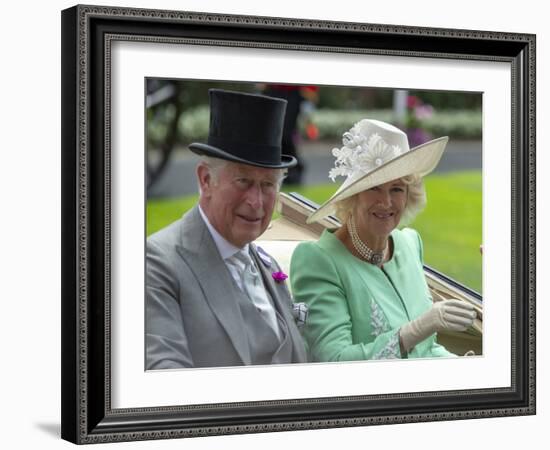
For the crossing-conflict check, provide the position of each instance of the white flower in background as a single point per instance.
(361, 153)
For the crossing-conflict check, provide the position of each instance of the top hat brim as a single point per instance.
(287, 161)
(420, 160)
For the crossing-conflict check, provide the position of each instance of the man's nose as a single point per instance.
(254, 196)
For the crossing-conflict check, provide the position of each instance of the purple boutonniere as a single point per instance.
(279, 276)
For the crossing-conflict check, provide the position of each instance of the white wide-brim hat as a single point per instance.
(375, 153)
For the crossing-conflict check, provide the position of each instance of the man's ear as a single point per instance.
(204, 178)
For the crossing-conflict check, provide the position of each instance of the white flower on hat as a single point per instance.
(361, 152)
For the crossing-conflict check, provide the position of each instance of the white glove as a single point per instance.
(453, 315)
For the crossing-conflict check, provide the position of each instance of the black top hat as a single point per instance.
(246, 128)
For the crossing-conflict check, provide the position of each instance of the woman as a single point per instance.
(364, 283)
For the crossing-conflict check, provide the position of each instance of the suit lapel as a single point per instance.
(220, 292)
(283, 302)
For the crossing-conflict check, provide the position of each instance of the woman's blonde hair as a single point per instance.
(416, 202)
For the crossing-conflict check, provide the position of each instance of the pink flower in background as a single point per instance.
(417, 136)
(279, 276)
(412, 101)
(417, 112)
(422, 112)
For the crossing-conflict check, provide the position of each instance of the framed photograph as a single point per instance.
(118, 63)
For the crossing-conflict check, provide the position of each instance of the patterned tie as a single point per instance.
(254, 288)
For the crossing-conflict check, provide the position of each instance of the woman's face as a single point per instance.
(378, 210)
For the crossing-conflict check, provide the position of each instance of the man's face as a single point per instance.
(239, 204)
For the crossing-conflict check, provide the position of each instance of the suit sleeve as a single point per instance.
(328, 331)
(166, 341)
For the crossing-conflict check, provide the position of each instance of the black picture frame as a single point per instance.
(87, 33)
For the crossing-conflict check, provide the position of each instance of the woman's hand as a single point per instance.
(453, 315)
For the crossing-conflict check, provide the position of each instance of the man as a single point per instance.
(212, 298)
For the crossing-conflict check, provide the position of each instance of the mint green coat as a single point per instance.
(356, 308)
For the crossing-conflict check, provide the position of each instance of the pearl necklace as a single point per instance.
(369, 255)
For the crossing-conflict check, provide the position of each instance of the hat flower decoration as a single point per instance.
(374, 153)
(361, 153)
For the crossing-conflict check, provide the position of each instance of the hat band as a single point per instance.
(248, 151)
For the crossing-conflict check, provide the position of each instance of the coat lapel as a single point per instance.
(198, 247)
(283, 302)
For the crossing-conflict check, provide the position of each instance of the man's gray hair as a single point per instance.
(215, 165)
(416, 202)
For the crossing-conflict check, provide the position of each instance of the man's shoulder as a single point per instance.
(167, 235)
(172, 234)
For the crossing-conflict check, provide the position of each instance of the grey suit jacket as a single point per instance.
(192, 315)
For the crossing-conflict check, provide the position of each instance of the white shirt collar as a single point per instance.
(226, 248)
